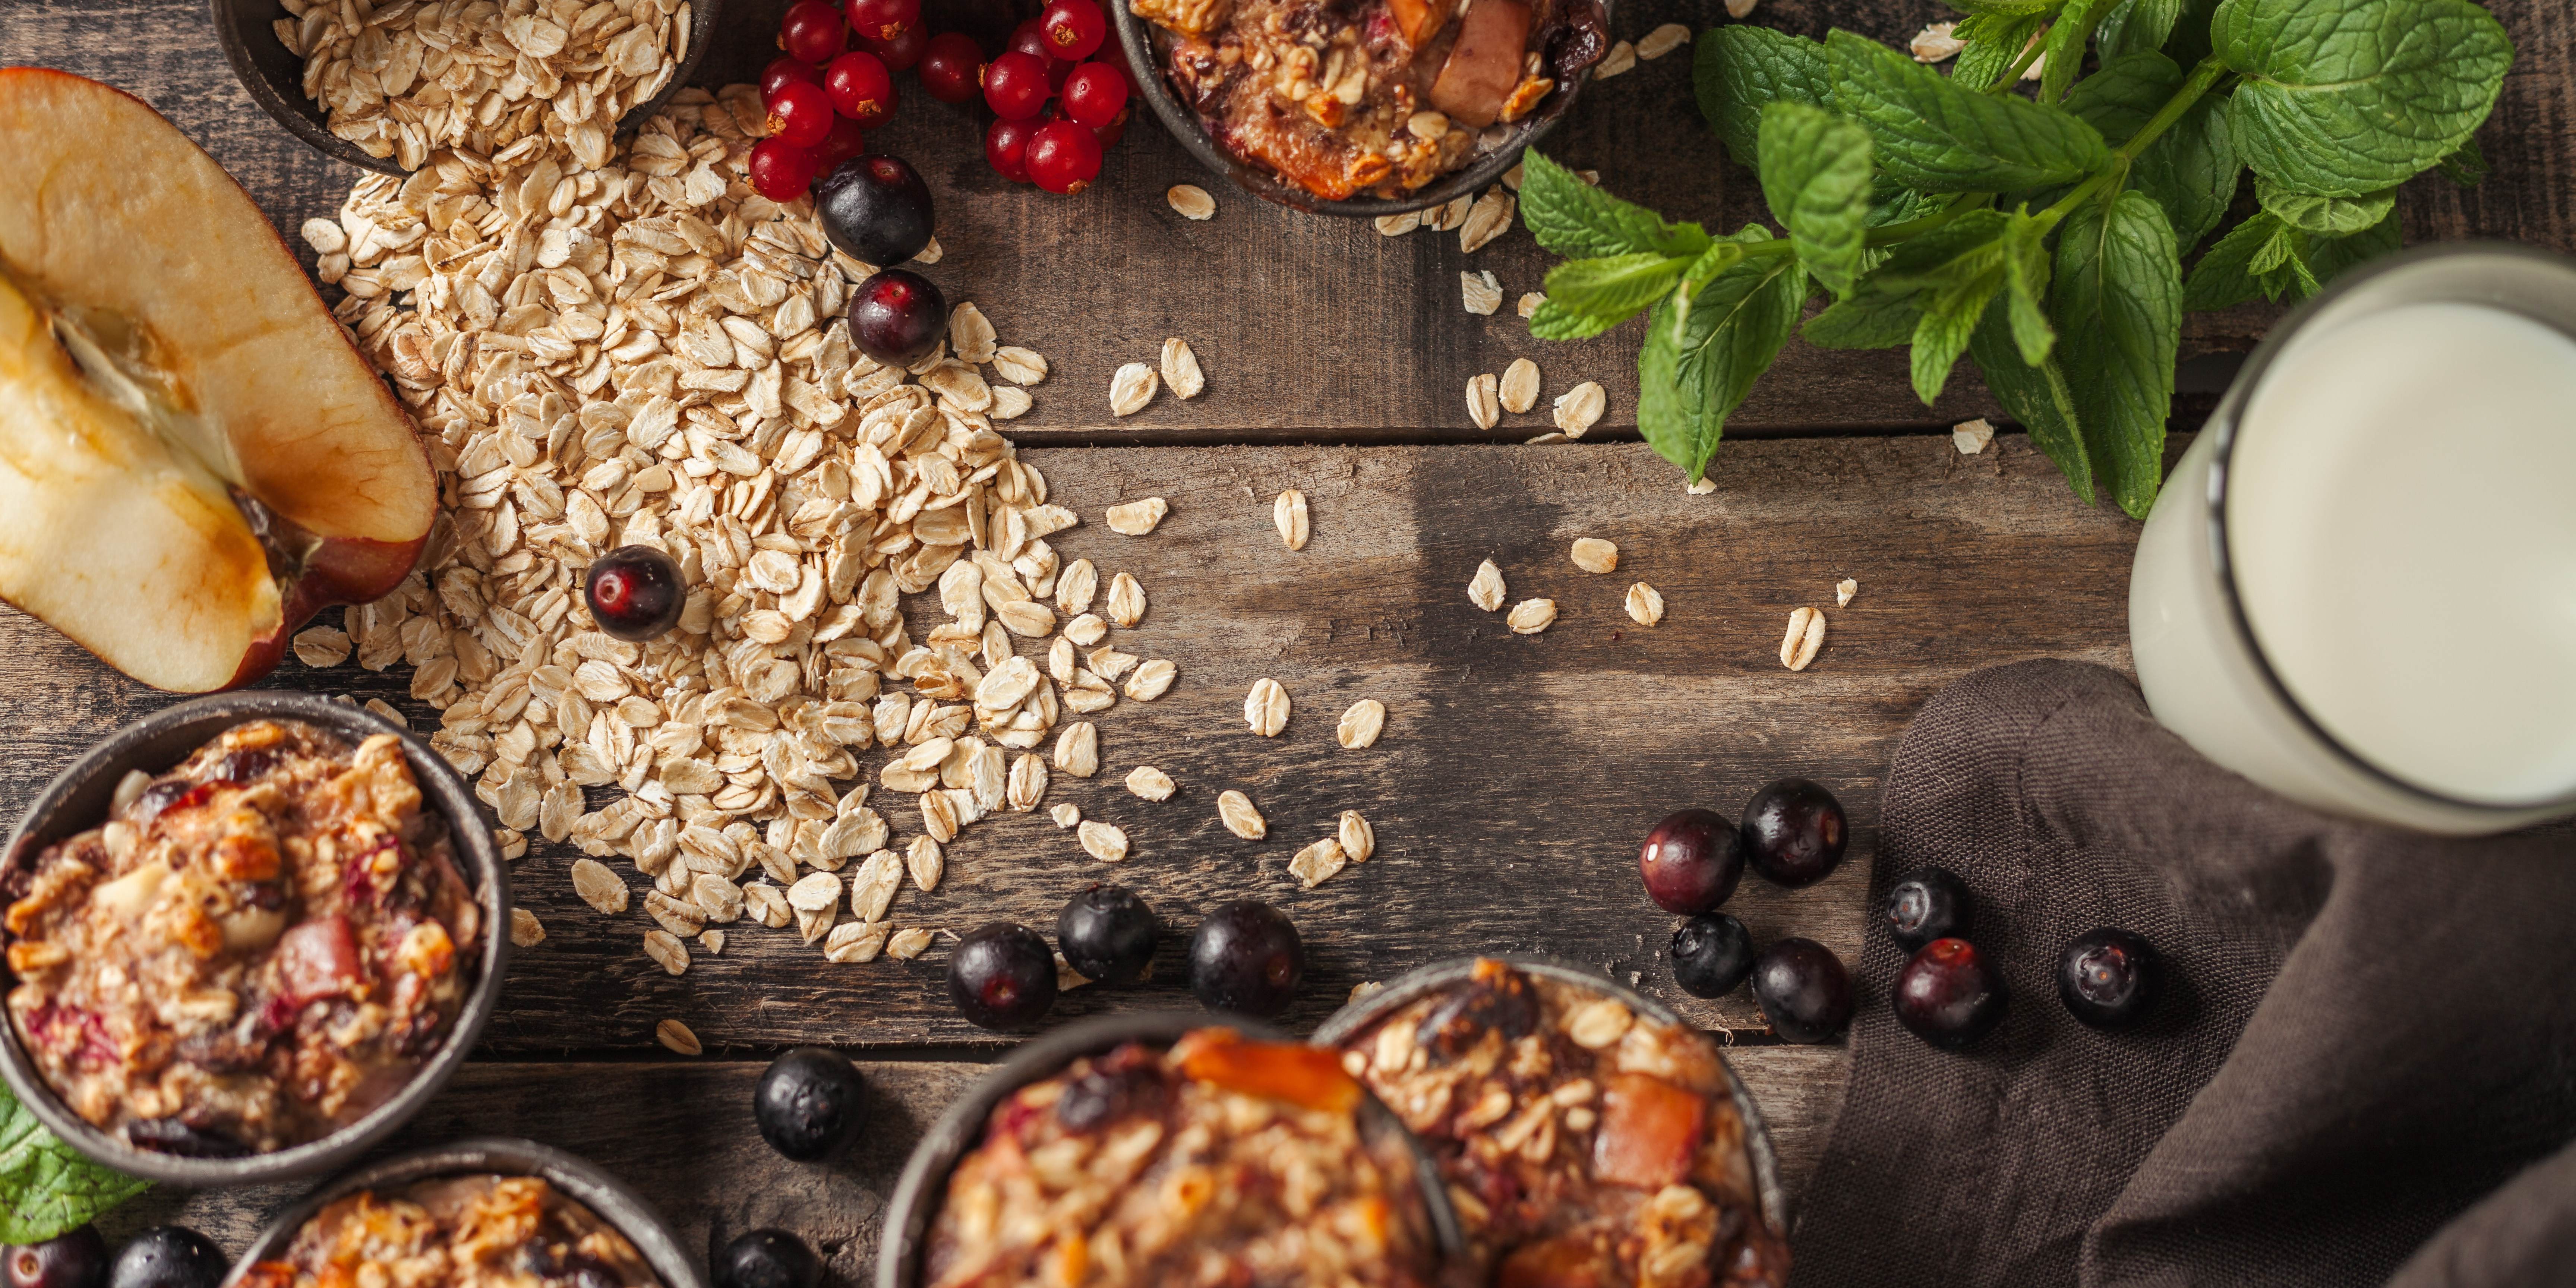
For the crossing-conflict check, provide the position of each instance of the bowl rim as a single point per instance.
(921, 1188)
(1422, 981)
(92, 779)
(603, 1194)
(1135, 35)
(303, 118)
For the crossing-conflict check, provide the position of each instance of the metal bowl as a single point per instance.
(925, 1176)
(78, 799)
(621, 1207)
(274, 78)
(1136, 35)
(1439, 976)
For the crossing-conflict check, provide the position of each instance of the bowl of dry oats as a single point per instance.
(497, 78)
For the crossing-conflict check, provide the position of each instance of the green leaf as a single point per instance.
(1865, 322)
(2136, 27)
(2191, 170)
(1554, 321)
(1941, 334)
(2067, 38)
(2333, 216)
(2117, 300)
(1816, 175)
(1995, 42)
(2465, 167)
(2343, 98)
(1943, 256)
(2125, 94)
(2189, 42)
(1574, 218)
(1615, 286)
(1738, 70)
(2329, 257)
(2224, 277)
(46, 1188)
(2006, 8)
(1939, 137)
(2037, 396)
(2025, 285)
(1698, 365)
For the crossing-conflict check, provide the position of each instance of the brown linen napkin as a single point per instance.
(2366, 1032)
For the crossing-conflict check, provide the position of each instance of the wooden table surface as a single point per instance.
(1516, 773)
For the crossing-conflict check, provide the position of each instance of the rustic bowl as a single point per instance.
(1438, 976)
(274, 78)
(1136, 35)
(924, 1184)
(621, 1207)
(78, 799)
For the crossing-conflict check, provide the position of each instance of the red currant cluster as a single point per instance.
(1057, 145)
(822, 95)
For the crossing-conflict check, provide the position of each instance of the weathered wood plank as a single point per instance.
(1515, 775)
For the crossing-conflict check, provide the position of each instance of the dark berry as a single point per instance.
(900, 53)
(2108, 978)
(807, 1104)
(1015, 85)
(74, 1260)
(1028, 39)
(861, 88)
(1691, 861)
(846, 140)
(1803, 990)
(1246, 958)
(884, 19)
(782, 171)
(1110, 134)
(767, 1259)
(875, 209)
(1947, 995)
(952, 67)
(1002, 976)
(1794, 832)
(1107, 934)
(1095, 94)
(635, 592)
(897, 316)
(1712, 953)
(1064, 157)
(783, 69)
(168, 1256)
(1929, 905)
(1006, 149)
(800, 112)
(812, 31)
(1073, 28)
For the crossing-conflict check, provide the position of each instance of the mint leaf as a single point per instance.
(2466, 166)
(1939, 137)
(1865, 322)
(2117, 299)
(1574, 218)
(2037, 396)
(2191, 170)
(2136, 27)
(2066, 40)
(1941, 335)
(1613, 287)
(1816, 175)
(2006, 8)
(2328, 257)
(2334, 216)
(1554, 321)
(2343, 98)
(1995, 42)
(2225, 278)
(46, 1187)
(1698, 365)
(1738, 70)
(2126, 93)
(2025, 283)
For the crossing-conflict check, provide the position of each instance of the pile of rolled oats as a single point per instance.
(500, 78)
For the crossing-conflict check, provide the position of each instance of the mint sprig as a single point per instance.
(47, 1188)
(2041, 237)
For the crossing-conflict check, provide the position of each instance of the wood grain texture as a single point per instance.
(1516, 773)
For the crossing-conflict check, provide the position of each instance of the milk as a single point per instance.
(2401, 521)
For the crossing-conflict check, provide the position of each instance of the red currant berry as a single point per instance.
(783, 69)
(1006, 148)
(1073, 28)
(1110, 134)
(1095, 94)
(1064, 157)
(813, 31)
(861, 88)
(1028, 39)
(780, 170)
(1015, 86)
(801, 113)
(952, 67)
(900, 53)
(845, 140)
(884, 19)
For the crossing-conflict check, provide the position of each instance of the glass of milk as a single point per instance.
(2359, 586)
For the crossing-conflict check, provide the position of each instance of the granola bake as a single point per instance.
(1221, 1161)
(1582, 1143)
(255, 950)
(479, 1231)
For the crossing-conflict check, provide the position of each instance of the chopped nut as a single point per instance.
(1136, 518)
(1579, 408)
(1485, 590)
(1520, 386)
(1972, 436)
(1530, 616)
(525, 930)
(1645, 604)
(1662, 40)
(1149, 783)
(1317, 863)
(1622, 57)
(1592, 554)
(1181, 369)
(1843, 592)
(676, 1036)
(1358, 839)
(1191, 201)
(1483, 407)
(1101, 841)
(1288, 514)
(1806, 635)
(1235, 810)
(1483, 294)
(1266, 708)
(1131, 387)
(1935, 43)
(1361, 724)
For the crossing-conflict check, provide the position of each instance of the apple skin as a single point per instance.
(350, 570)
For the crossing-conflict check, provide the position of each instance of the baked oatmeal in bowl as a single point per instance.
(1167, 1150)
(244, 938)
(1586, 1135)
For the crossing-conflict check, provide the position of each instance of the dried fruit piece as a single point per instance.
(1593, 555)
(1149, 783)
(1266, 708)
(1485, 590)
(1483, 405)
(1288, 514)
(1519, 390)
(1181, 369)
(1191, 201)
(1136, 518)
(1358, 839)
(1131, 387)
(1580, 408)
(1235, 810)
(1806, 635)
(1101, 841)
(1317, 863)
(1530, 616)
(1361, 724)
(1645, 604)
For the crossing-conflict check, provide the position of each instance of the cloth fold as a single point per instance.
(2363, 1068)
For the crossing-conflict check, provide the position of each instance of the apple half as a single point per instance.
(193, 457)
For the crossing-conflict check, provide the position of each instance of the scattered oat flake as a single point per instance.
(1191, 201)
(1235, 810)
(1152, 680)
(666, 950)
(322, 646)
(1482, 292)
(1149, 783)
(676, 1036)
(1740, 9)
(1317, 863)
(1512, 177)
(1361, 725)
(1594, 555)
(1066, 815)
(1131, 388)
(1579, 408)
(1806, 635)
(1662, 40)
(712, 940)
(1181, 369)
(1266, 707)
(1386, 225)
(1645, 604)
(1488, 219)
(1485, 590)
(1622, 57)
(1288, 514)
(1358, 839)
(1126, 600)
(598, 886)
(1136, 518)
(1529, 302)
(1484, 406)
(1972, 436)
(1019, 366)
(1519, 390)
(1101, 841)
(1530, 616)
(1067, 978)
(1705, 486)
(1843, 592)
(908, 943)
(525, 930)
(1934, 43)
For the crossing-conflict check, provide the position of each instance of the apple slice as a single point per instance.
(193, 457)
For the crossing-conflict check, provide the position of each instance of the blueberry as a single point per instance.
(1691, 861)
(1948, 996)
(1712, 953)
(897, 317)
(1002, 976)
(74, 1260)
(1794, 832)
(808, 1104)
(875, 209)
(1107, 934)
(1246, 958)
(2109, 978)
(1929, 905)
(635, 592)
(767, 1259)
(168, 1256)
(1803, 990)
